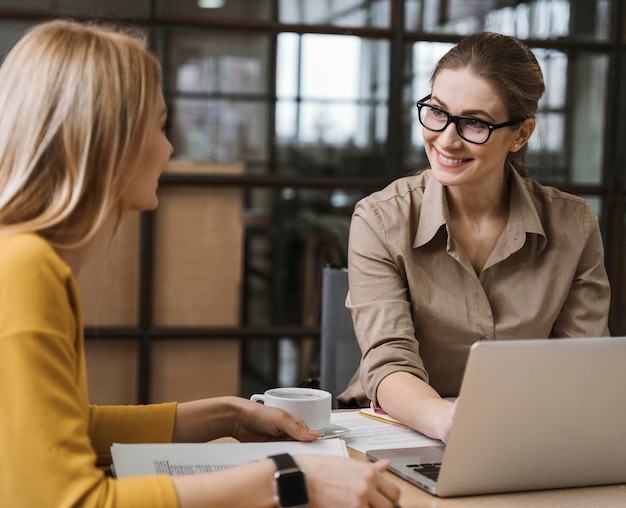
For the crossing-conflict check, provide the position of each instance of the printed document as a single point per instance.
(192, 458)
(367, 433)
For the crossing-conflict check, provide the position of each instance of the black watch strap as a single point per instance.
(284, 461)
(290, 483)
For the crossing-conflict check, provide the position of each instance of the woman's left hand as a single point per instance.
(207, 419)
(257, 422)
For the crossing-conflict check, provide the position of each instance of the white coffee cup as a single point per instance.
(310, 404)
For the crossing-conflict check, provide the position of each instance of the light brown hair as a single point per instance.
(75, 99)
(510, 67)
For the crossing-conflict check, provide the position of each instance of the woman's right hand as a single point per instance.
(348, 483)
(445, 423)
(415, 403)
(331, 482)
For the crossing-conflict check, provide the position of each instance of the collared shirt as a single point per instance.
(418, 304)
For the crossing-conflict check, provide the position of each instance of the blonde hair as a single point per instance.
(75, 100)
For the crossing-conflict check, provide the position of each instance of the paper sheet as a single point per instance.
(370, 434)
(192, 458)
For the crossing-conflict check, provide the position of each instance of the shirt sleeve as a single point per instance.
(586, 307)
(379, 304)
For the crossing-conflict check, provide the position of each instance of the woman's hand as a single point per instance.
(331, 482)
(445, 422)
(416, 404)
(337, 481)
(256, 422)
(207, 419)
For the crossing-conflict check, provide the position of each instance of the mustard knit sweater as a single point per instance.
(51, 438)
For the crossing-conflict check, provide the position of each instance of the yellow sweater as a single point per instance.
(51, 439)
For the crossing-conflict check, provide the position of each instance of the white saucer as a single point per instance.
(333, 431)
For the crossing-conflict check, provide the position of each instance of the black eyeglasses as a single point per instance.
(469, 128)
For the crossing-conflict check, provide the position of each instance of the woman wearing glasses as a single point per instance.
(470, 249)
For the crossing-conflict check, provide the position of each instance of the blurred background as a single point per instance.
(283, 113)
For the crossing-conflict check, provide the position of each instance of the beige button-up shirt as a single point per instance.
(418, 305)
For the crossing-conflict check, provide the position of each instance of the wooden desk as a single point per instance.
(587, 497)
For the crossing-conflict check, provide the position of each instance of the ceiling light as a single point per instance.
(210, 4)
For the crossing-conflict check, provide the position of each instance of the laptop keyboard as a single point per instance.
(429, 470)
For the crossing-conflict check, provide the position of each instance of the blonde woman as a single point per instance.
(82, 140)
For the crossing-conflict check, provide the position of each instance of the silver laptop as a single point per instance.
(531, 415)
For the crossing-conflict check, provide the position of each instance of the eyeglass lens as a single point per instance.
(470, 129)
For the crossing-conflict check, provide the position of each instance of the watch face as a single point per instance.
(292, 490)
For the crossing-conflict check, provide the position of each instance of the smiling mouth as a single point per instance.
(449, 160)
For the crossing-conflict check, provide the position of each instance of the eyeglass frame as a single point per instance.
(455, 120)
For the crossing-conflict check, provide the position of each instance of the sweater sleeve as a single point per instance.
(48, 458)
(153, 423)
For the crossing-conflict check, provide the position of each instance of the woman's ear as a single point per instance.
(524, 131)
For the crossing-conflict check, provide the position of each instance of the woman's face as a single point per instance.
(141, 191)
(454, 161)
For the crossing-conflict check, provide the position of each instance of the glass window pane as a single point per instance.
(219, 130)
(554, 67)
(547, 152)
(424, 57)
(330, 124)
(332, 103)
(588, 120)
(286, 120)
(202, 61)
(330, 66)
(375, 13)
(287, 65)
(538, 19)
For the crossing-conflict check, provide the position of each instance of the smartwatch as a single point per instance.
(291, 491)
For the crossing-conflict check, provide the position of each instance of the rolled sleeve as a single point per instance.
(378, 302)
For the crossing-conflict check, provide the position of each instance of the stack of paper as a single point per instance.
(193, 458)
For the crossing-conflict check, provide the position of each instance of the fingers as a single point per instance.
(340, 481)
(295, 428)
(382, 464)
(387, 493)
(283, 425)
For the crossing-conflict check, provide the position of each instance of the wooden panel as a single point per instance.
(109, 291)
(198, 252)
(197, 277)
(109, 281)
(198, 237)
(112, 371)
(192, 369)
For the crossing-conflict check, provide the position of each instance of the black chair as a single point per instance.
(340, 353)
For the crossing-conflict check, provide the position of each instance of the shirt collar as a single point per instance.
(523, 216)
(433, 212)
